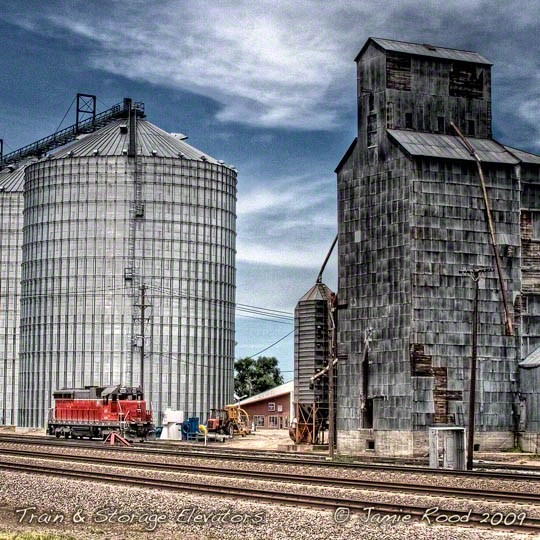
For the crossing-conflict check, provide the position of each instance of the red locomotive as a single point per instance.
(96, 411)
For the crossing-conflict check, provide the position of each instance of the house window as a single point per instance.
(470, 126)
(258, 420)
(280, 408)
(271, 407)
(273, 421)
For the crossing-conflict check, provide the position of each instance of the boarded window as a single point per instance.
(390, 115)
(465, 82)
(398, 71)
(441, 124)
(535, 219)
(372, 130)
(408, 120)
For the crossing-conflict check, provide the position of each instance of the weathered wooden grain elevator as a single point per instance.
(411, 221)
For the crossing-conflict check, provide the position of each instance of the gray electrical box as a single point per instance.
(448, 442)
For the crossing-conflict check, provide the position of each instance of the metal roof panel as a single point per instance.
(525, 157)
(451, 147)
(12, 180)
(319, 291)
(285, 388)
(111, 140)
(430, 50)
(532, 360)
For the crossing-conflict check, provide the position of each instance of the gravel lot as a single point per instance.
(89, 500)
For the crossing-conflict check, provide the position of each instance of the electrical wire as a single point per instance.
(270, 346)
(267, 309)
(256, 311)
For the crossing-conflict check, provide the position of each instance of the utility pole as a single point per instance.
(331, 357)
(142, 306)
(475, 274)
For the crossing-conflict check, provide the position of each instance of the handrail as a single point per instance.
(68, 134)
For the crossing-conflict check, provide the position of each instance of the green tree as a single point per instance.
(255, 376)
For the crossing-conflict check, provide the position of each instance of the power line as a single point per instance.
(270, 346)
(267, 309)
(256, 311)
(262, 319)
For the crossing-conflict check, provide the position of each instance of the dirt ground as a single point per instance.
(262, 439)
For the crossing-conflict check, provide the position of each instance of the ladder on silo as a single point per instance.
(136, 214)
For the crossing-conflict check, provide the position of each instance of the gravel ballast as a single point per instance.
(226, 519)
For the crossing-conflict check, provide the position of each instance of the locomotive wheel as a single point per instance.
(57, 434)
(230, 430)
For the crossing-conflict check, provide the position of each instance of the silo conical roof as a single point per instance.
(12, 179)
(113, 140)
(319, 291)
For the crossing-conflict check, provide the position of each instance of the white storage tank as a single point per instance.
(127, 207)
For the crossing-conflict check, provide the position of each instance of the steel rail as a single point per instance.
(252, 456)
(529, 524)
(437, 490)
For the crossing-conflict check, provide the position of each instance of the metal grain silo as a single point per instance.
(11, 218)
(311, 353)
(129, 220)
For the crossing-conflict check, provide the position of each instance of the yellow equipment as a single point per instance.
(232, 420)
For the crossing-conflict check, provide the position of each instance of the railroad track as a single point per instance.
(522, 523)
(180, 451)
(272, 476)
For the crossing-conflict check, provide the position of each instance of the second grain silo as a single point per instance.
(128, 266)
(11, 217)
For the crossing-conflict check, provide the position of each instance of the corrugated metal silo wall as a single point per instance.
(310, 350)
(188, 243)
(78, 314)
(11, 215)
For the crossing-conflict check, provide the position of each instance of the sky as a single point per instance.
(266, 85)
